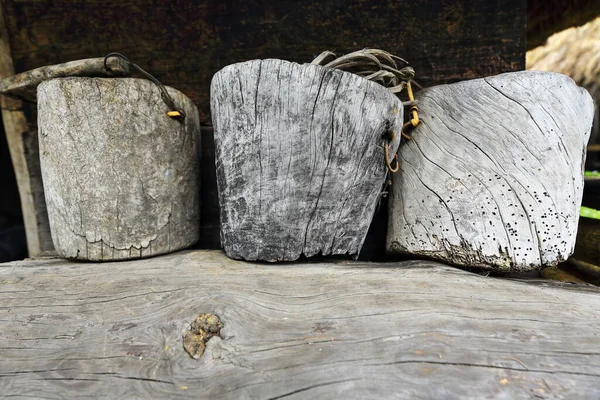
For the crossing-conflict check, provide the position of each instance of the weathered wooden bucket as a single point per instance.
(299, 157)
(121, 177)
(493, 176)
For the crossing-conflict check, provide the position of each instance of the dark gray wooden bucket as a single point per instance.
(299, 157)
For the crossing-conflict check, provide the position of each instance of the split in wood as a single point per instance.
(204, 327)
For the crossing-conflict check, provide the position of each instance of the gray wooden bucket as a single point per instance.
(121, 177)
(299, 157)
(493, 176)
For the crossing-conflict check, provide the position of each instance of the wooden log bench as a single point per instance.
(336, 330)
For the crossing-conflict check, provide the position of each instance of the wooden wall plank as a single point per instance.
(184, 43)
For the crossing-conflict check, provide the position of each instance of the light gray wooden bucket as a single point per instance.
(493, 177)
(121, 177)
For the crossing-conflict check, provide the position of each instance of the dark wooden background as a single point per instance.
(183, 43)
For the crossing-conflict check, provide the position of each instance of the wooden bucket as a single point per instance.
(493, 176)
(299, 157)
(121, 178)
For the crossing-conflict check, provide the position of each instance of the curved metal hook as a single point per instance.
(387, 160)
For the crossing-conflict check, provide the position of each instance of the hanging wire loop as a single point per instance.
(174, 111)
(414, 114)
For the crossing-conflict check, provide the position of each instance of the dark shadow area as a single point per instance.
(13, 244)
(546, 17)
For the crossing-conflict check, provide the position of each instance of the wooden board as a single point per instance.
(300, 157)
(335, 330)
(493, 176)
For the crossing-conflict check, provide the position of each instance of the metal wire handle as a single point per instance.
(175, 112)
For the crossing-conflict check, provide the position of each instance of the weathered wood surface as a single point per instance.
(299, 157)
(493, 177)
(336, 330)
(121, 178)
(22, 145)
(24, 85)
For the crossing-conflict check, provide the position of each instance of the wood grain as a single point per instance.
(121, 178)
(493, 177)
(299, 157)
(335, 330)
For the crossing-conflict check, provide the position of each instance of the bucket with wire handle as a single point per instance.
(120, 165)
(301, 151)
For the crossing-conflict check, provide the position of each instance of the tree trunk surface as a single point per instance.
(121, 178)
(299, 157)
(493, 177)
(343, 330)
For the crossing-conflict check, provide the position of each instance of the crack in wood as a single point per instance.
(524, 369)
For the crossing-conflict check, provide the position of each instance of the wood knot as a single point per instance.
(204, 327)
